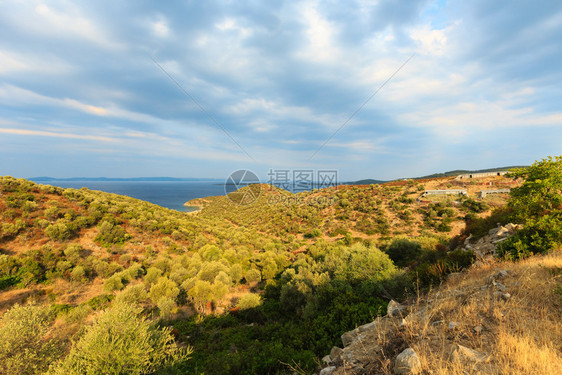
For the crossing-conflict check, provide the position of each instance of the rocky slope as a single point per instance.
(496, 318)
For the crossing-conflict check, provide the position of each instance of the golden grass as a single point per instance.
(520, 334)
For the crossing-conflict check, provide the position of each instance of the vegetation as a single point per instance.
(122, 342)
(537, 204)
(25, 344)
(251, 288)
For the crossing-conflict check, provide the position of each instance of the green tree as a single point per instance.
(537, 204)
(253, 275)
(121, 341)
(201, 293)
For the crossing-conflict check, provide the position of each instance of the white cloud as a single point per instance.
(276, 110)
(320, 35)
(431, 41)
(12, 62)
(54, 134)
(68, 24)
(160, 27)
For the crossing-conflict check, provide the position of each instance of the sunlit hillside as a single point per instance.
(267, 286)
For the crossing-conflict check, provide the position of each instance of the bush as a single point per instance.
(78, 274)
(112, 284)
(122, 342)
(537, 203)
(164, 288)
(110, 233)
(253, 276)
(166, 306)
(403, 251)
(249, 301)
(132, 294)
(58, 232)
(25, 343)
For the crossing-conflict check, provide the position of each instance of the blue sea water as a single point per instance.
(169, 194)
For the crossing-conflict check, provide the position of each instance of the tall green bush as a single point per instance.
(25, 344)
(121, 341)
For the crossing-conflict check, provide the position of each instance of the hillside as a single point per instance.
(502, 318)
(265, 287)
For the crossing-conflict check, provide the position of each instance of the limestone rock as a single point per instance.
(326, 359)
(502, 232)
(336, 353)
(395, 309)
(407, 363)
(328, 370)
(499, 286)
(349, 337)
(464, 354)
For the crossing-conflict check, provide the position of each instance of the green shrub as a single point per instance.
(163, 288)
(122, 342)
(403, 251)
(166, 307)
(537, 203)
(152, 275)
(112, 284)
(29, 206)
(72, 253)
(101, 301)
(110, 233)
(58, 232)
(249, 301)
(132, 294)
(78, 274)
(253, 275)
(26, 346)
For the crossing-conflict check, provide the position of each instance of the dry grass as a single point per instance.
(520, 334)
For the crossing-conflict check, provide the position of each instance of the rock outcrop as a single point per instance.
(485, 247)
(388, 344)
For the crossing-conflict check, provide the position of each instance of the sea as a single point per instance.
(169, 194)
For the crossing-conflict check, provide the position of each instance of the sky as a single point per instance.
(373, 89)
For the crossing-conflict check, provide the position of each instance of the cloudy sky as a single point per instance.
(202, 88)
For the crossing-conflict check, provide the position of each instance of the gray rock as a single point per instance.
(502, 232)
(395, 309)
(478, 329)
(336, 353)
(453, 325)
(349, 337)
(407, 363)
(328, 370)
(501, 274)
(366, 327)
(499, 286)
(506, 296)
(464, 354)
(326, 360)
